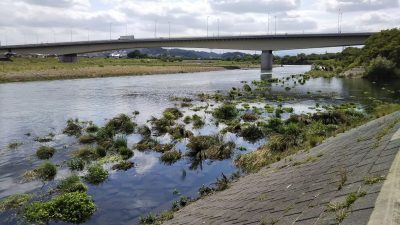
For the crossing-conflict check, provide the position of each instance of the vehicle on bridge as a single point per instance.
(128, 37)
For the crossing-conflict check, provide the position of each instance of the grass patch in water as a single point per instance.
(73, 128)
(170, 157)
(14, 201)
(172, 113)
(46, 171)
(226, 111)
(76, 164)
(45, 152)
(87, 139)
(121, 124)
(75, 208)
(209, 147)
(14, 145)
(123, 165)
(71, 183)
(96, 174)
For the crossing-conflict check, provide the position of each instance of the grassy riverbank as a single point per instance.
(34, 69)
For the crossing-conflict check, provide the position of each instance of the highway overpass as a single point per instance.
(67, 51)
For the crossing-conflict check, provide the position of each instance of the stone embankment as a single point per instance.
(337, 182)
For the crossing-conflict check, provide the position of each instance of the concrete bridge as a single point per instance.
(68, 51)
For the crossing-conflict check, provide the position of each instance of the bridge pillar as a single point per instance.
(266, 60)
(68, 58)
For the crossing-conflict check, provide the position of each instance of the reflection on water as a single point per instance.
(39, 108)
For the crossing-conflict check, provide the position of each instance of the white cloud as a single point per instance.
(31, 21)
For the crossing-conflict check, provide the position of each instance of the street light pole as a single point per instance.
(110, 30)
(169, 29)
(268, 22)
(207, 24)
(155, 29)
(218, 27)
(275, 25)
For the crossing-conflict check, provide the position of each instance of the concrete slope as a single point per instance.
(289, 194)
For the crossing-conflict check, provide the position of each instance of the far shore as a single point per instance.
(22, 70)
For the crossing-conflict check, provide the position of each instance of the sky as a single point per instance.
(42, 21)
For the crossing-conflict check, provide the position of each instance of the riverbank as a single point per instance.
(35, 69)
(336, 182)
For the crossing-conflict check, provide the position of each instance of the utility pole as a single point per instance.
(169, 29)
(110, 30)
(155, 29)
(88, 34)
(126, 30)
(70, 33)
(207, 24)
(268, 23)
(275, 25)
(218, 26)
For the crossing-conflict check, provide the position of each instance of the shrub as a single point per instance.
(72, 184)
(47, 171)
(72, 207)
(170, 157)
(124, 165)
(381, 68)
(87, 139)
(125, 152)
(96, 174)
(73, 128)
(172, 113)
(45, 152)
(76, 164)
(227, 111)
(14, 201)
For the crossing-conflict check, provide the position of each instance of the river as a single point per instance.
(35, 109)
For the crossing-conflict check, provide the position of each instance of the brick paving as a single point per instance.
(299, 195)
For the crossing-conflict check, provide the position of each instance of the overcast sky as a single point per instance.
(32, 21)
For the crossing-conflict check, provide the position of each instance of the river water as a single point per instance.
(35, 109)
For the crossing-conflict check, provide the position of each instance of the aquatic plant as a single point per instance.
(170, 157)
(172, 114)
(227, 111)
(149, 219)
(71, 183)
(144, 131)
(249, 117)
(205, 190)
(198, 122)
(46, 171)
(92, 128)
(163, 147)
(14, 201)
(161, 125)
(251, 132)
(146, 144)
(86, 153)
(246, 88)
(74, 207)
(123, 165)
(14, 145)
(179, 132)
(76, 164)
(87, 138)
(96, 174)
(73, 128)
(120, 141)
(105, 136)
(100, 151)
(125, 152)
(121, 124)
(45, 152)
(222, 183)
(209, 147)
(182, 202)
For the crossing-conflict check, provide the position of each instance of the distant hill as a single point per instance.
(179, 53)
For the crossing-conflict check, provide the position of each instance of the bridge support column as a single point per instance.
(266, 60)
(69, 58)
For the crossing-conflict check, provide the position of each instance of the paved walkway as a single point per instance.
(288, 194)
